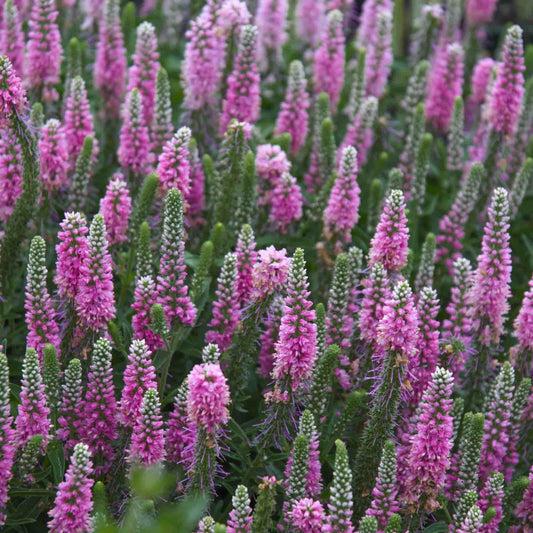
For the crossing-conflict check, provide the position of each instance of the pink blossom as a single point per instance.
(287, 202)
(12, 41)
(246, 259)
(379, 55)
(115, 207)
(270, 271)
(145, 297)
(480, 11)
(53, 156)
(310, 20)
(174, 168)
(271, 21)
(308, 516)
(524, 321)
(10, 173)
(481, 77)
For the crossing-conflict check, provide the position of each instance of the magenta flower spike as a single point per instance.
(139, 376)
(328, 69)
(134, 148)
(7, 436)
(143, 73)
(508, 90)
(240, 518)
(491, 285)
(429, 457)
(287, 203)
(99, 409)
(196, 198)
(115, 207)
(491, 495)
(366, 32)
(271, 21)
(226, 308)
(174, 168)
(95, 300)
(70, 417)
(145, 297)
(33, 417)
(308, 516)
(481, 78)
(296, 350)
(12, 41)
(44, 52)
(10, 173)
(12, 95)
(110, 64)
(445, 83)
(293, 117)
(72, 252)
(389, 244)
(269, 337)
(379, 55)
(173, 292)
(53, 156)
(73, 503)
(271, 164)
(310, 20)
(523, 323)
(243, 98)
(178, 436)
(78, 121)
(40, 314)
(342, 211)
(147, 445)
(480, 11)
(246, 259)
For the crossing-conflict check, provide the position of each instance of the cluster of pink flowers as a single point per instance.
(115, 207)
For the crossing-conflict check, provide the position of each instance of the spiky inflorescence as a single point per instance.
(177, 435)
(78, 121)
(134, 149)
(491, 495)
(226, 308)
(99, 408)
(83, 169)
(171, 280)
(296, 483)
(523, 323)
(369, 16)
(13, 97)
(147, 445)
(44, 53)
(310, 20)
(139, 376)
(271, 164)
(497, 423)
(271, 21)
(429, 456)
(33, 413)
(491, 284)
(296, 353)
(161, 128)
(204, 57)
(473, 521)
(73, 503)
(385, 502)
(196, 198)
(53, 156)
(452, 225)
(10, 172)
(426, 269)
(508, 89)
(389, 244)
(70, 412)
(455, 148)
(246, 259)
(307, 516)
(342, 211)
(110, 64)
(174, 168)
(313, 485)
(480, 11)
(7, 436)
(445, 83)
(72, 251)
(270, 271)
(243, 99)
(40, 314)
(145, 297)
(328, 69)
(12, 39)
(376, 292)
(293, 117)
(379, 55)
(340, 505)
(142, 74)
(358, 89)
(115, 207)
(481, 78)
(287, 202)
(95, 300)
(240, 518)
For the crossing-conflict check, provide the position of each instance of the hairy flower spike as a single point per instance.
(523, 323)
(83, 169)
(40, 314)
(44, 52)
(10, 172)
(240, 518)
(7, 436)
(270, 272)
(73, 503)
(455, 148)
(480, 11)
(53, 156)
(70, 412)
(171, 280)
(287, 201)
(12, 96)
(389, 244)
(299, 468)
(271, 21)
(243, 99)
(95, 300)
(508, 89)
(246, 259)
(340, 503)
(12, 39)
(308, 516)
(226, 309)
(161, 128)
(174, 168)
(329, 59)
(293, 117)
(115, 207)
(491, 285)
(491, 496)
(379, 55)
(472, 522)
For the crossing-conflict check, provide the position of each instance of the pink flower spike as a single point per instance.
(491, 495)
(240, 518)
(115, 207)
(178, 436)
(308, 516)
(174, 168)
(310, 20)
(523, 323)
(73, 503)
(271, 21)
(70, 418)
(12, 96)
(10, 173)
(369, 20)
(270, 272)
(287, 203)
(12, 40)
(145, 297)
(53, 156)
(481, 77)
(379, 55)
(329, 59)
